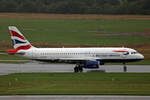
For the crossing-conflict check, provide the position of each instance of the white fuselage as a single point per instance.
(23, 48)
(101, 54)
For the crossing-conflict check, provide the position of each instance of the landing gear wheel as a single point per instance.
(78, 68)
(124, 67)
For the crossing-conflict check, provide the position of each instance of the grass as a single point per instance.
(14, 62)
(10, 57)
(72, 83)
(77, 31)
(143, 62)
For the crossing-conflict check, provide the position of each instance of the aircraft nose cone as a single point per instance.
(141, 56)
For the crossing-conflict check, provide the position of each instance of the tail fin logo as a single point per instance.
(13, 33)
(18, 40)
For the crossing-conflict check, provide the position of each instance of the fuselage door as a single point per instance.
(34, 53)
(125, 54)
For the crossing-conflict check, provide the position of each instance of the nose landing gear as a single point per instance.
(124, 67)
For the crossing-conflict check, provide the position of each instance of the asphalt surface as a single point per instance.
(76, 97)
(37, 67)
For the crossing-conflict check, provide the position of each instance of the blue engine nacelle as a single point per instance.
(91, 64)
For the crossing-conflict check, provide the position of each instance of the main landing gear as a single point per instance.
(78, 68)
(124, 67)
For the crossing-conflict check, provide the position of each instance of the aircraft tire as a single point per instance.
(76, 69)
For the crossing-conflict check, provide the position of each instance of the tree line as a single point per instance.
(76, 6)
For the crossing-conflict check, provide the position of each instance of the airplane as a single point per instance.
(82, 57)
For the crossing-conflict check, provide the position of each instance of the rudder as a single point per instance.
(18, 40)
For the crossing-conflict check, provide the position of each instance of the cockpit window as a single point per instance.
(134, 52)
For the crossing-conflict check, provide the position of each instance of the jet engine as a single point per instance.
(91, 64)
